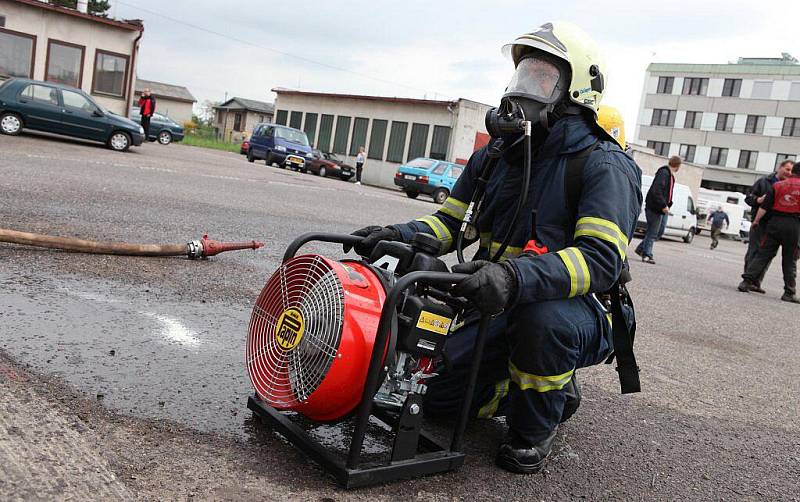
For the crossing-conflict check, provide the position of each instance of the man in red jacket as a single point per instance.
(147, 107)
(783, 230)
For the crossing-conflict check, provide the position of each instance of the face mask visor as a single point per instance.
(537, 79)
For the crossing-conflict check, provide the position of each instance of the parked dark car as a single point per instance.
(327, 164)
(244, 147)
(281, 145)
(60, 109)
(162, 128)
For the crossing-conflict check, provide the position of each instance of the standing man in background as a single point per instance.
(716, 219)
(147, 107)
(755, 198)
(360, 158)
(657, 204)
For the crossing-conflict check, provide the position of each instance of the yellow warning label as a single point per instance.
(290, 329)
(434, 322)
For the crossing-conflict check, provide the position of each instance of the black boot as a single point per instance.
(788, 297)
(572, 392)
(745, 286)
(517, 457)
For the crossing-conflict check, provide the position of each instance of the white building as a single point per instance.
(45, 42)
(391, 130)
(739, 120)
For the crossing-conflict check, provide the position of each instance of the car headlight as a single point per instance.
(280, 148)
(141, 130)
(309, 156)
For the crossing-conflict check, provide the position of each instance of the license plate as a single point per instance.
(295, 160)
(409, 177)
(345, 172)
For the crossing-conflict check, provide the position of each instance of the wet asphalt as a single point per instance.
(163, 338)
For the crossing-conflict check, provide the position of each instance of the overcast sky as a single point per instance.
(434, 49)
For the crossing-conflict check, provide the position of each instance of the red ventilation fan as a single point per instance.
(311, 336)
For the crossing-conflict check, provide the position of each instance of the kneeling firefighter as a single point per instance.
(553, 201)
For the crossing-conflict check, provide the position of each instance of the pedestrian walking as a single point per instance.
(755, 197)
(360, 158)
(782, 230)
(716, 220)
(657, 204)
(147, 107)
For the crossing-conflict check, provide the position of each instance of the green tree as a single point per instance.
(99, 7)
(71, 4)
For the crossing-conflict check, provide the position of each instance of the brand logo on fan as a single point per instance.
(290, 329)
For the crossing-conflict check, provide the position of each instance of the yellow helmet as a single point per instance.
(610, 119)
(571, 44)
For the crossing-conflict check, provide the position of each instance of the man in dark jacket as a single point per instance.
(755, 197)
(657, 204)
(782, 231)
(147, 107)
(548, 321)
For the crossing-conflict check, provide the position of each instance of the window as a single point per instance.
(719, 156)
(762, 89)
(441, 168)
(695, 86)
(693, 120)
(755, 124)
(781, 157)
(311, 126)
(64, 63)
(360, 126)
(419, 140)
(747, 159)
(295, 119)
(325, 129)
(724, 122)
(342, 134)
(794, 91)
(421, 163)
(237, 122)
(690, 205)
(77, 101)
(731, 87)
(665, 85)
(440, 142)
(377, 139)
(456, 171)
(41, 93)
(663, 118)
(791, 126)
(660, 147)
(110, 73)
(397, 142)
(291, 135)
(17, 53)
(282, 117)
(220, 114)
(687, 152)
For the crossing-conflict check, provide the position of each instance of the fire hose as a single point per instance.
(199, 248)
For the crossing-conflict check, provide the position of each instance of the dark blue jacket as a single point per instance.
(584, 258)
(717, 218)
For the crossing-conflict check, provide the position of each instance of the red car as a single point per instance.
(327, 164)
(245, 146)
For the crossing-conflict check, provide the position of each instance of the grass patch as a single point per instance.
(193, 140)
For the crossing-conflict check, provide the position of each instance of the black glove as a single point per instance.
(490, 287)
(372, 235)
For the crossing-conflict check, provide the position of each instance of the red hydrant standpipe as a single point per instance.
(202, 248)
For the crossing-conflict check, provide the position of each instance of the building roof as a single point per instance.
(415, 101)
(168, 91)
(247, 104)
(128, 24)
(747, 66)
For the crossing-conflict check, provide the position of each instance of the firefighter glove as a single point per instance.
(490, 287)
(372, 235)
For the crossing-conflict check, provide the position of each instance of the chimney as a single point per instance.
(83, 6)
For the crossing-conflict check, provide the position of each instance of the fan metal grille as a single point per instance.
(285, 377)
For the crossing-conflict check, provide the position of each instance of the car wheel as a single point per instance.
(119, 141)
(250, 157)
(412, 195)
(689, 237)
(322, 171)
(11, 124)
(440, 195)
(165, 137)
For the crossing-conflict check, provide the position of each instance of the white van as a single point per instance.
(733, 203)
(682, 220)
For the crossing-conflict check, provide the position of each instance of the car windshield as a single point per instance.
(421, 163)
(331, 156)
(291, 135)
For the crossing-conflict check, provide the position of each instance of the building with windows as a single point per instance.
(391, 130)
(235, 118)
(174, 101)
(46, 42)
(738, 120)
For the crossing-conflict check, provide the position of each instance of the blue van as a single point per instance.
(429, 176)
(281, 145)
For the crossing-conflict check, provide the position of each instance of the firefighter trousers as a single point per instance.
(781, 232)
(531, 353)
